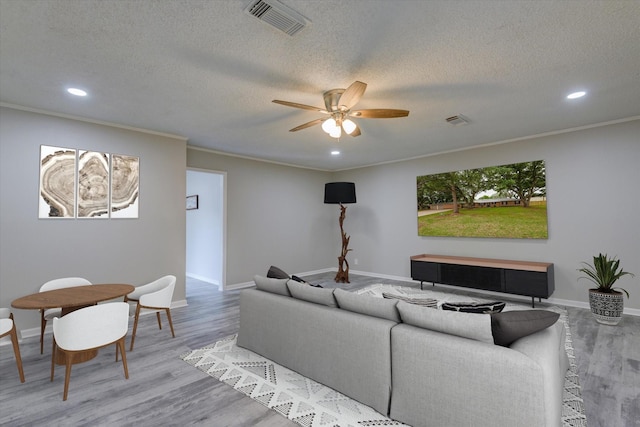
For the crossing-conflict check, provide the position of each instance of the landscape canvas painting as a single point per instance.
(57, 182)
(507, 201)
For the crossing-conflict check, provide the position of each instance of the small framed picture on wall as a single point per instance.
(192, 202)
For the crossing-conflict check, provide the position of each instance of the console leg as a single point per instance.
(533, 302)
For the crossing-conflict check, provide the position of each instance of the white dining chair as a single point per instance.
(50, 313)
(90, 328)
(8, 327)
(155, 296)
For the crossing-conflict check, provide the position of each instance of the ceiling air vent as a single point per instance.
(277, 15)
(457, 120)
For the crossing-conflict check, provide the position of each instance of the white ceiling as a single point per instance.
(208, 71)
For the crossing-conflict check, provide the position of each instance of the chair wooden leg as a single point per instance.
(53, 358)
(16, 352)
(43, 325)
(120, 344)
(170, 321)
(67, 375)
(135, 326)
(158, 317)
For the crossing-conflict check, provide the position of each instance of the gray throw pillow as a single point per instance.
(364, 304)
(510, 326)
(275, 286)
(311, 294)
(467, 325)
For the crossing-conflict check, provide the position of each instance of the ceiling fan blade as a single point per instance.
(303, 106)
(356, 131)
(307, 125)
(352, 95)
(379, 113)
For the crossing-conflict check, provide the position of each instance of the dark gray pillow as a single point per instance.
(364, 304)
(510, 326)
(474, 307)
(275, 286)
(277, 273)
(311, 294)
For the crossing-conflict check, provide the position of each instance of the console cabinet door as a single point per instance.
(425, 271)
(529, 283)
(471, 276)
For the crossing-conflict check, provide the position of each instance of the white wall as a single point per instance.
(593, 206)
(275, 216)
(133, 251)
(205, 227)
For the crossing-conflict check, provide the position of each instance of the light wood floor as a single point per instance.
(164, 390)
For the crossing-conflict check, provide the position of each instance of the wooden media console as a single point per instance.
(533, 279)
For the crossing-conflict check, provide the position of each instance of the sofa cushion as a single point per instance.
(466, 325)
(510, 326)
(277, 273)
(275, 286)
(364, 304)
(425, 302)
(474, 307)
(311, 294)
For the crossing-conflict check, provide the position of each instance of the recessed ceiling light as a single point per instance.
(335, 153)
(76, 91)
(576, 95)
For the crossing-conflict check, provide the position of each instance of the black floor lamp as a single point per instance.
(341, 193)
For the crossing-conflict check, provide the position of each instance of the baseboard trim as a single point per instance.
(555, 301)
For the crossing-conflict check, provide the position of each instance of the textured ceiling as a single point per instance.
(208, 71)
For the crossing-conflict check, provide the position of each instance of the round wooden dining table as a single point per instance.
(70, 299)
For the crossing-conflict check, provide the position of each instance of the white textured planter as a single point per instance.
(607, 308)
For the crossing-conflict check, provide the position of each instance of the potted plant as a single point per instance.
(606, 302)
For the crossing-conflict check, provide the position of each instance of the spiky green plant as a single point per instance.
(604, 272)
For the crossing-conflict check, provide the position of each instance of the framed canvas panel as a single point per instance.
(57, 197)
(192, 202)
(93, 184)
(506, 201)
(125, 186)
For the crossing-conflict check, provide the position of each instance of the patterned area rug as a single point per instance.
(298, 398)
(311, 404)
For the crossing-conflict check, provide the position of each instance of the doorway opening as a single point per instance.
(206, 227)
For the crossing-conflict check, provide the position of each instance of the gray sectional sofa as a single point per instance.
(417, 365)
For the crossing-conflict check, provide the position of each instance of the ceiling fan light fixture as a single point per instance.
(329, 125)
(336, 132)
(348, 126)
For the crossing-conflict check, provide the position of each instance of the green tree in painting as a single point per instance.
(523, 180)
(470, 183)
(432, 189)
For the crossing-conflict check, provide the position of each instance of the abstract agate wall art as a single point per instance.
(93, 184)
(57, 182)
(87, 184)
(507, 201)
(125, 186)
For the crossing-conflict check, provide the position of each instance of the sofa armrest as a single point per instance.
(546, 348)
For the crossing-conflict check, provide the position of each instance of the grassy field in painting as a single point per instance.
(509, 222)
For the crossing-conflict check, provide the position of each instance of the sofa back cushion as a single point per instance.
(274, 286)
(364, 304)
(466, 325)
(310, 293)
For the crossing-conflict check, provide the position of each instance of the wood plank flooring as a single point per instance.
(164, 390)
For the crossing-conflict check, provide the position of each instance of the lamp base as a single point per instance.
(343, 272)
(343, 265)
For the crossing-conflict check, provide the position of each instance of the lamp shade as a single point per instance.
(339, 192)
